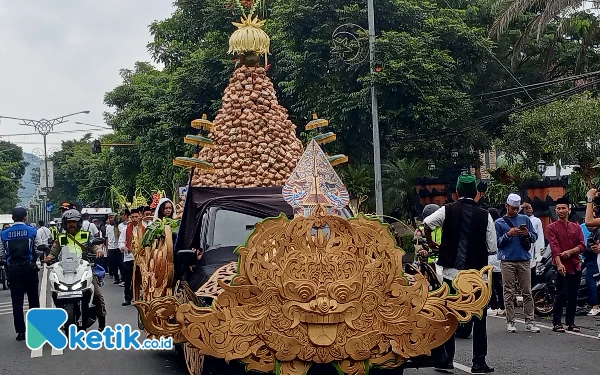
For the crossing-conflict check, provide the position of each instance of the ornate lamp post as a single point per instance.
(541, 167)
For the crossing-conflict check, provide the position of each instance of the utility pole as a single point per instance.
(374, 112)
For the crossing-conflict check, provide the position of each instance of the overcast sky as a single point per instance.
(61, 56)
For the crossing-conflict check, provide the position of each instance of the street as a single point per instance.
(521, 353)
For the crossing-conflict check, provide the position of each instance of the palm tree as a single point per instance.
(545, 12)
(399, 181)
(359, 182)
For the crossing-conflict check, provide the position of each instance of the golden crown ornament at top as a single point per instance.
(321, 289)
(249, 37)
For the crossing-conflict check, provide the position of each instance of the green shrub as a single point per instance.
(407, 243)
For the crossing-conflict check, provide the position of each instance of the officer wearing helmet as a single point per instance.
(77, 239)
(436, 234)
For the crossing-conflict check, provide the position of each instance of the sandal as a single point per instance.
(558, 328)
(573, 328)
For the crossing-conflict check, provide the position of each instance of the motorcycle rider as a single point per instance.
(436, 234)
(78, 239)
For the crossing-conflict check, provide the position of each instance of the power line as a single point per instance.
(546, 100)
(542, 84)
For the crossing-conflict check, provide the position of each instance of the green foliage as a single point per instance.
(508, 179)
(563, 131)
(407, 243)
(12, 169)
(399, 181)
(156, 230)
(360, 184)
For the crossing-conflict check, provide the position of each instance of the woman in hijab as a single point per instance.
(165, 208)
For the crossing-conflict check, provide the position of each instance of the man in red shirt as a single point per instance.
(566, 243)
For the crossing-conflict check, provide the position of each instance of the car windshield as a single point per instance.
(232, 228)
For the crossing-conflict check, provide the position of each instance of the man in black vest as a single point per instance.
(469, 237)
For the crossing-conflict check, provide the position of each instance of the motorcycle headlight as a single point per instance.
(62, 287)
(78, 285)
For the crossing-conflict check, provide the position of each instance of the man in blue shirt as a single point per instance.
(515, 235)
(17, 247)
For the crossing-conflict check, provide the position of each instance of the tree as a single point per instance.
(12, 169)
(400, 177)
(546, 10)
(565, 132)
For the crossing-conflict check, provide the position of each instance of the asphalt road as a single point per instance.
(521, 353)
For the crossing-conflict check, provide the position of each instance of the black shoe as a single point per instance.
(444, 367)
(101, 323)
(117, 282)
(20, 336)
(126, 303)
(481, 369)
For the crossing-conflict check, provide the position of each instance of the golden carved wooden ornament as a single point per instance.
(320, 289)
(154, 268)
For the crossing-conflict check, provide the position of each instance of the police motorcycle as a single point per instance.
(70, 279)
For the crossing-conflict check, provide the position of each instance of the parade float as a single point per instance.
(270, 269)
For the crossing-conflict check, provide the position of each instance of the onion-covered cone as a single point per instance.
(255, 143)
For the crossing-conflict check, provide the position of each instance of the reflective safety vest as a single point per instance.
(54, 232)
(436, 236)
(66, 241)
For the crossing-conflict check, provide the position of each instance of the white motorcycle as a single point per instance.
(70, 280)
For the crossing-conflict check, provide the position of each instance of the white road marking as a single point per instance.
(40, 352)
(462, 367)
(549, 327)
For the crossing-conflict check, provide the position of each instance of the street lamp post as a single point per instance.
(541, 167)
(45, 127)
(374, 112)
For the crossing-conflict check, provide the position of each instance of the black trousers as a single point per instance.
(127, 269)
(497, 300)
(567, 290)
(23, 281)
(115, 260)
(445, 353)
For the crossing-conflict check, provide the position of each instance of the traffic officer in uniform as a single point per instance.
(78, 239)
(17, 247)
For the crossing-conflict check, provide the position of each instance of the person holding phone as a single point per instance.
(516, 234)
(566, 242)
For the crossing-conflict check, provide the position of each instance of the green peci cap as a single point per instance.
(467, 184)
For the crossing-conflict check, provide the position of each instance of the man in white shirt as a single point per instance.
(43, 239)
(114, 254)
(537, 246)
(128, 258)
(469, 236)
(88, 226)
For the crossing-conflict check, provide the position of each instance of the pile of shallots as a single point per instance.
(255, 142)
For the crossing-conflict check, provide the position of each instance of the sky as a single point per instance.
(61, 56)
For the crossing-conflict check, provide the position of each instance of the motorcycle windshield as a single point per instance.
(69, 258)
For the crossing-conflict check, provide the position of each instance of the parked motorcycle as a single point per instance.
(421, 265)
(544, 292)
(70, 280)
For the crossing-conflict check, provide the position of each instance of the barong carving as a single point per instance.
(320, 289)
